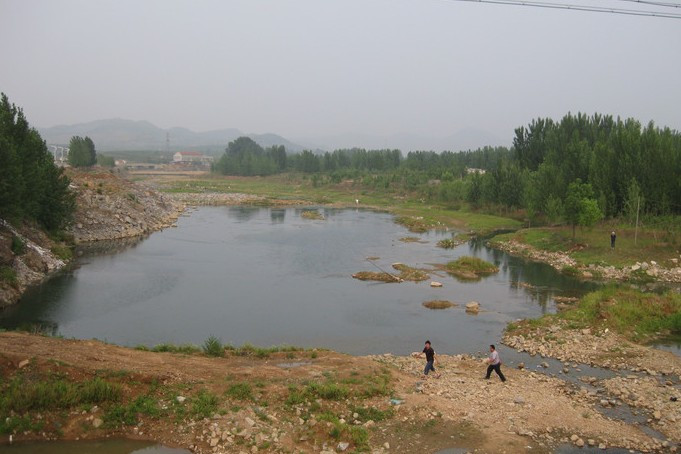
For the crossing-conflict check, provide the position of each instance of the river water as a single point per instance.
(269, 277)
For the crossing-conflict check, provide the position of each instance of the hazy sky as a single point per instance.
(307, 68)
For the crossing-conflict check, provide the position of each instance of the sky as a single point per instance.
(321, 68)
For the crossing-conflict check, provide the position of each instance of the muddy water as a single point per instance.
(268, 276)
(90, 447)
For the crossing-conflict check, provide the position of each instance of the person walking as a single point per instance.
(613, 237)
(430, 359)
(494, 363)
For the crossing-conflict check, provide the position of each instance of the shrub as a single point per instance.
(213, 347)
(240, 391)
(204, 404)
(18, 245)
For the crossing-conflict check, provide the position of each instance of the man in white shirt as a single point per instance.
(494, 363)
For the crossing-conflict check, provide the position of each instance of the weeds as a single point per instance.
(213, 347)
(204, 404)
(240, 391)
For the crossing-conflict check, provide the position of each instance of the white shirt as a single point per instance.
(494, 358)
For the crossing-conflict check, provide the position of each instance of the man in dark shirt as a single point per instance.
(430, 358)
(613, 237)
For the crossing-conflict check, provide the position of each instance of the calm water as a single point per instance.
(268, 276)
(89, 447)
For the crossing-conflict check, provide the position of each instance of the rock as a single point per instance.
(386, 445)
(24, 363)
(591, 442)
(580, 443)
(473, 307)
(545, 365)
(657, 415)
(587, 275)
(574, 438)
(586, 331)
(436, 284)
(635, 267)
(249, 422)
(180, 399)
(519, 400)
(521, 366)
(342, 446)
(602, 446)
(97, 423)
(214, 442)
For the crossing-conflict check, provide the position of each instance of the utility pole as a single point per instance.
(638, 206)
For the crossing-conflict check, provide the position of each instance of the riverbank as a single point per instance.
(650, 259)
(289, 400)
(108, 207)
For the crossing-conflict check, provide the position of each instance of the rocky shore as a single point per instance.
(643, 271)
(109, 207)
(648, 381)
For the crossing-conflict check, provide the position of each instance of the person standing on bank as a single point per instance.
(494, 363)
(613, 237)
(430, 358)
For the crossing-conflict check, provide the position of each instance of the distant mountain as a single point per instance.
(128, 135)
(464, 139)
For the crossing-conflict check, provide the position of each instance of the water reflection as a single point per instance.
(268, 276)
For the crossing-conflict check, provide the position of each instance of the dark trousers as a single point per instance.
(496, 368)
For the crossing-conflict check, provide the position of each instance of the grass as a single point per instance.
(375, 276)
(22, 395)
(204, 404)
(187, 349)
(18, 245)
(409, 208)
(408, 273)
(470, 268)
(312, 214)
(128, 414)
(593, 246)
(240, 391)
(373, 414)
(213, 347)
(62, 252)
(631, 313)
(327, 391)
(438, 304)
(8, 275)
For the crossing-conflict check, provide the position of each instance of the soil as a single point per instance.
(460, 409)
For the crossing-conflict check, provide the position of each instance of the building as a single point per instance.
(194, 158)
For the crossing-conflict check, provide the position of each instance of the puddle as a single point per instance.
(116, 446)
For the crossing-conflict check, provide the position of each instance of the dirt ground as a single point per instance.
(459, 409)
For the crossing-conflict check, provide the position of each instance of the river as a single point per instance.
(269, 277)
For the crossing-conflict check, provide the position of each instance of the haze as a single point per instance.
(336, 72)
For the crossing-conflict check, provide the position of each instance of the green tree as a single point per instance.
(31, 186)
(82, 152)
(581, 208)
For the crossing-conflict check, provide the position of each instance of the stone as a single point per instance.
(386, 445)
(591, 442)
(545, 365)
(180, 399)
(602, 446)
(586, 331)
(97, 423)
(436, 284)
(23, 363)
(657, 415)
(249, 422)
(521, 366)
(473, 307)
(214, 442)
(574, 438)
(519, 400)
(580, 443)
(342, 446)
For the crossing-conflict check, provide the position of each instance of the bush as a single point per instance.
(18, 245)
(240, 391)
(213, 347)
(62, 252)
(8, 275)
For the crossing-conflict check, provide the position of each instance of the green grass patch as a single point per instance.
(204, 404)
(128, 414)
(470, 268)
(327, 391)
(438, 304)
(186, 349)
(8, 276)
(407, 273)
(62, 252)
(373, 414)
(631, 313)
(21, 395)
(240, 391)
(18, 245)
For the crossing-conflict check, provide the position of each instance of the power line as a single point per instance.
(573, 7)
(647, 2)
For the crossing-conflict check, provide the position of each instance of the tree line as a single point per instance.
(579, 169)
(31, 186)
